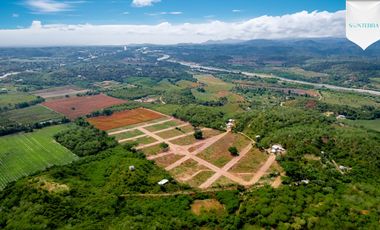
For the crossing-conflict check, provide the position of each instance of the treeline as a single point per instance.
(83, 139)
(10, 127)
(22, 105)
(201, 116)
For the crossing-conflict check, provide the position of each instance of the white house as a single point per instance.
(163, 182)
(277, 149)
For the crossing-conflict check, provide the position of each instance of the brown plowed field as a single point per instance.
(125, 118)
(79, 106)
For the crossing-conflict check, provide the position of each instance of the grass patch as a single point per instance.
(126, 135)
(354, 100)
(188, 140)
(25, 154)
(250, 162)
(162, 126)
(32, 115)
(12, 98)
(366, 124)
(200, 178)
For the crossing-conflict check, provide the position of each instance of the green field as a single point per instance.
(367, 124)
(25, 154)
(354, 100)
(31, 115)
(10, 99)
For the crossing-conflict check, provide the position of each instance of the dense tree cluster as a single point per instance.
(201, 116)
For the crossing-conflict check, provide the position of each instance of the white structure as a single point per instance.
(230, 124)
(163, 182)
(132, 168)
(341, 117)
(277, 149)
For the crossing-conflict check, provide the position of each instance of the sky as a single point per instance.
(116, 22)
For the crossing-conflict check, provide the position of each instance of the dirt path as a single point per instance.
(262, 170)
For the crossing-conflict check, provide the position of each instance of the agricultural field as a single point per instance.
(12, 98)
(25, 154)
(59, 92)
(354, 100)
(80, 106)
(125, 118)
(32, 115)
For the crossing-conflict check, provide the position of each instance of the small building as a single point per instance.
(341, 117)
(163, 182)
(230, 124)
(277, 149)
(132, 168)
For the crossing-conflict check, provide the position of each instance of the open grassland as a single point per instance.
(125, 118)
(218, 153)
(351, 99)
(59, 92)
(12, 98)
(31, 115)
(80, 106)
(25, 154)
(367, 124)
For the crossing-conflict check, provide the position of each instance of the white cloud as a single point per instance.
(14, 15)
(298, 25)
(236, 11)
(47, 6)
(143, 3)
(165, 13)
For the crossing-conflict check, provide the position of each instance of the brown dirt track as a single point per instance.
(124, 118)
(79, 106)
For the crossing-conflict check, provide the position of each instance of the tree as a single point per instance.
(233, 150)
(198, 134)
(164, 146)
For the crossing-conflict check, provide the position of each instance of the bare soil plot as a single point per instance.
(167, 160)
(137, 125)
(188, 140)
(165, 125)
(59, 92)
(126, 135)
(218, 153)
(80, 106)
(125, 118)
(207, 206)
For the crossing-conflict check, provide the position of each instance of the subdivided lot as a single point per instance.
(59, 92)
(251, 162)
(32, 115)
(127, 135)
(188, 140)
(165, 125)
(137, 125)
(25, 154)
(218, 153)
(142, 141)
(80, 106)
(125, 118)
(167, 160)
(176, 132)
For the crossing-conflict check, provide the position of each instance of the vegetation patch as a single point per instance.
(162, 126)
(127, 135)
(32, 115)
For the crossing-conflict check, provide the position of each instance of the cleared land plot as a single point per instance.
(125, 118)
(188, 140)
(59, 92)
(223, 182)
(207, 206)
(165, 125)
(152, 150)
(186, 170)
(32, 115)
(25, 154)
(126, 135)
(137, 125)
(249, 163)
(218, 153)
(176, 132)
(200, 178)
(80, 106)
